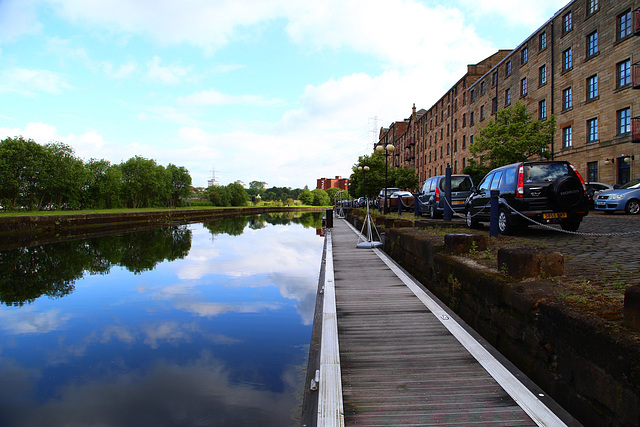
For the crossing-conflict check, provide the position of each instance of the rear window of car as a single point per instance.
(458, 183)
(545, 172)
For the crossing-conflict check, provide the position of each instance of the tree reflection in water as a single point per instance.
(52, 269)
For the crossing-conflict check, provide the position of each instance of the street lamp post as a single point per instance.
(364, 170)
(388, 149)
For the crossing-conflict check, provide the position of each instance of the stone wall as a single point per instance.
(590, 370)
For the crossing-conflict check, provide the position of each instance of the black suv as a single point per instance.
(546, 192)
(432, 194)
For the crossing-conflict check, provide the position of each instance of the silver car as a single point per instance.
(624, 198)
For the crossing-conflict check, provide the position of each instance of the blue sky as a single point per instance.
(281, 91)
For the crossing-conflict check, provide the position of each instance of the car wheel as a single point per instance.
(632, 207)
(433, 213)
(572, 225)
(471, 221)
(504, 222)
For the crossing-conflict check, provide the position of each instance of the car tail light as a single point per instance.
(579, 177)
(520, 189)
(437, 194)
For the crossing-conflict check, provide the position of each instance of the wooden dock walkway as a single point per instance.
(405, 360)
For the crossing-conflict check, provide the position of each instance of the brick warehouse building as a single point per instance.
(578, 66)
(338, 182)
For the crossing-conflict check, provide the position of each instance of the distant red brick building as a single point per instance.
(338, 182)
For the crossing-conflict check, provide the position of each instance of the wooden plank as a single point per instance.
(399, 364)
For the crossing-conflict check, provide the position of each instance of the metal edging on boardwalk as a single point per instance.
(330, 403)
(534, 408)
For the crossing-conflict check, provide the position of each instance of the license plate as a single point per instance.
(457, 202)
(601, 204)
(554, 215)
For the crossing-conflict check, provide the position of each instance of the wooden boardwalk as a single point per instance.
(405, 361)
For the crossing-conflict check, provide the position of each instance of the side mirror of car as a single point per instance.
(474, 189)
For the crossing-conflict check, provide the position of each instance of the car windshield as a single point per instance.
(631, 184)
(458, 183)
(542, 172)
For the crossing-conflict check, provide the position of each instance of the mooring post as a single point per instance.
(493, 219)
(448, 213)
(329, 214)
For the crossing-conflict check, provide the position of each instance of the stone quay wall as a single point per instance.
(593, 372)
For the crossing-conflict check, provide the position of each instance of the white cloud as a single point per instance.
(30, 82)
(30, 321)
(213, 97)
(530, 13)
(171, 74)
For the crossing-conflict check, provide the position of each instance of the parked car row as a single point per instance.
(546, 192)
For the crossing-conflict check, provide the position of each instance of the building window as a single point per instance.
(508, 69)
(471, 140)
(464, 119)
(523, 87)
(464, 141)
(473, 95)
(524, 55)
(494, 105)
(592, 130)
(592, 7)
(482, 88)
(507, 97)
(624, 25)
(482, 112)
(592, 44)
(566, 137)
(624, 121)
(592, 87)
(567, 23)
(542, 109)
(567, 61)
(472, 118)
(542, 75)
(542, 39)
(624, 73)
(592, 171)
(494, 80)
(567, 98)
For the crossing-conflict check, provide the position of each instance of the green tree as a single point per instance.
(320, 198)
(373, 178)
(331, 192)
(237, 194)
(102, 186)
(62, 178)
(405, 177)
(476, 171)
(218, 196)
(22, 164)
(513, 136)
(143, 182)
(306, 197)
(180, 184)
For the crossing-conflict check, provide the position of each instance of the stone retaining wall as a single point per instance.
(590, 370)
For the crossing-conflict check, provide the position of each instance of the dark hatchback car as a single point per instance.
(548, 192)
(431, 194)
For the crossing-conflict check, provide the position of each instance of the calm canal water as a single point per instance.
(194, 325)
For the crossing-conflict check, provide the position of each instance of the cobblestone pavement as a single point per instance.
(608, 262)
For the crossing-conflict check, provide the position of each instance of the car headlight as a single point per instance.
(617, 196)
